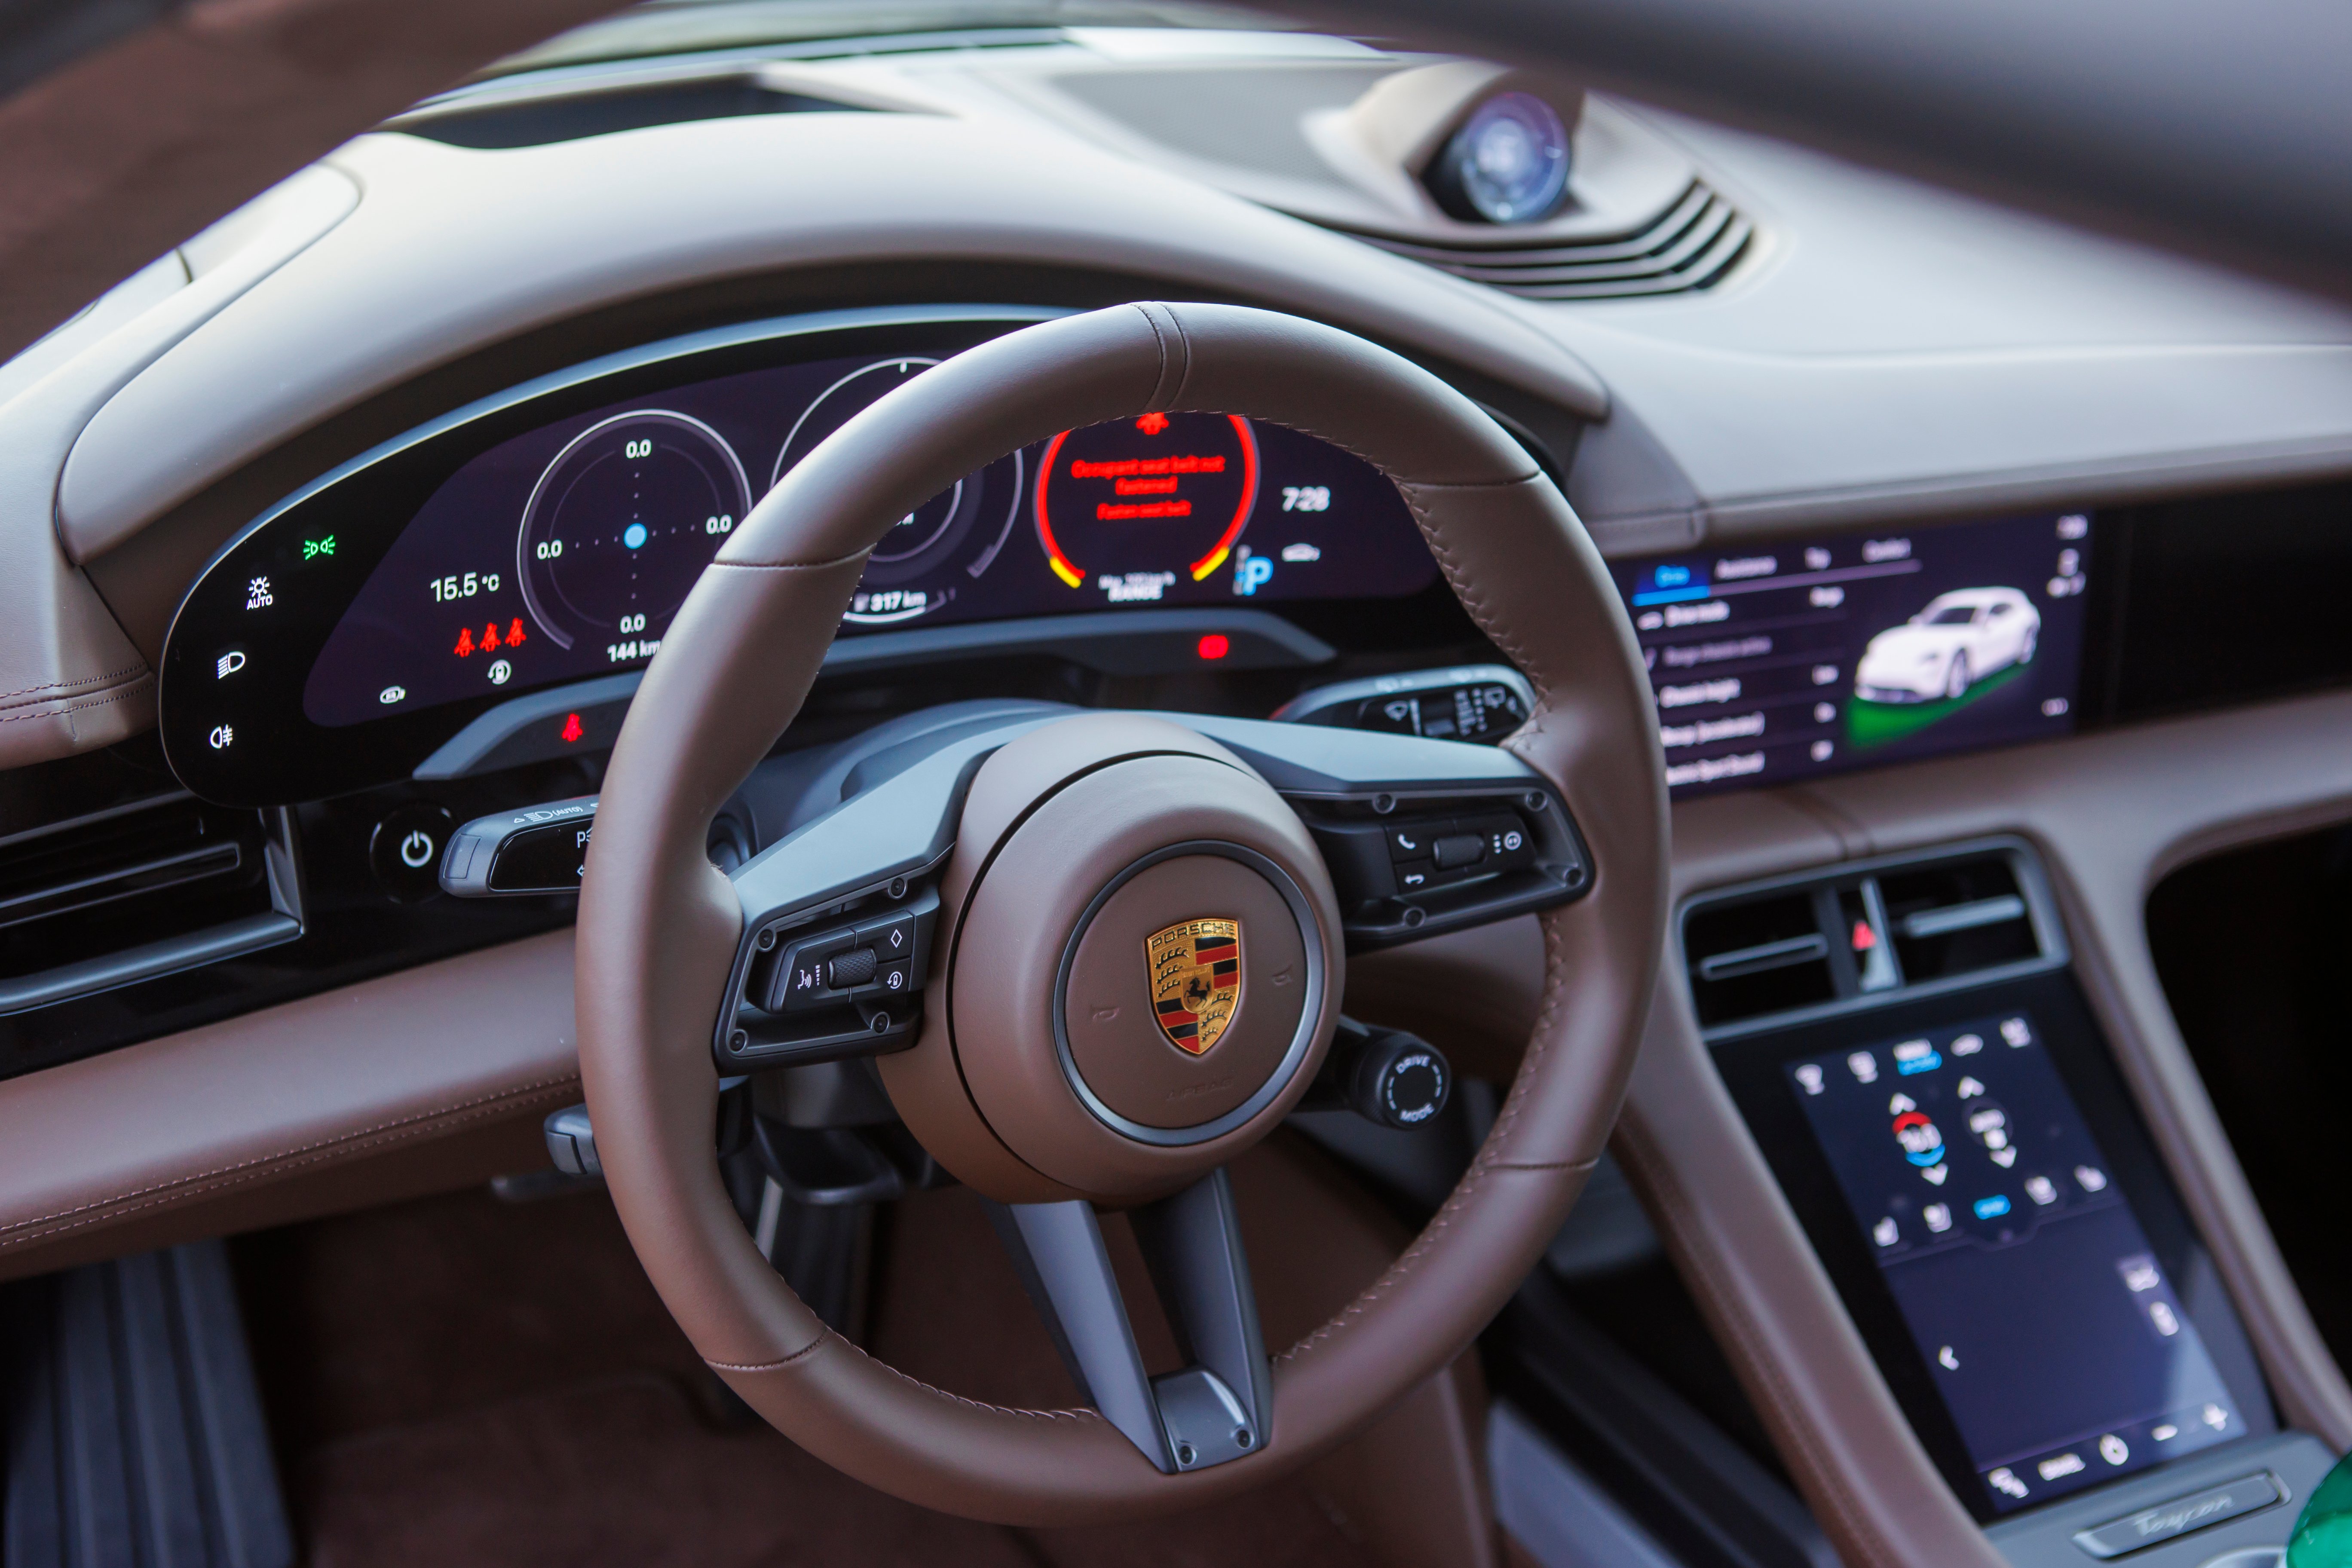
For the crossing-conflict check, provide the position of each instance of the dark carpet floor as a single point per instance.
(462, 1381)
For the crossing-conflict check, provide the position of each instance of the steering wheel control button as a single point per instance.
(1384, 1075)
(1458, 849)
(1413, 876)
(848, 971)
(804, 977)
(816, 995)
(892, 938)
(404, 852)
(1413, 843)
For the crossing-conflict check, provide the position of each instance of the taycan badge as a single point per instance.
(1196, 981)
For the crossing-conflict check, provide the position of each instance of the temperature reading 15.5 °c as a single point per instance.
(463, 586)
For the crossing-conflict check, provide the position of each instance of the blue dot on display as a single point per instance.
(633, 536)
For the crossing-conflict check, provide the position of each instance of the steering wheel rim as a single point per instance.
(658, 925)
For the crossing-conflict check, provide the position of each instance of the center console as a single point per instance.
(1907, 1044)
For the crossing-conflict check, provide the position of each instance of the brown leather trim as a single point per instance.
(657, 926)
(204, 1122)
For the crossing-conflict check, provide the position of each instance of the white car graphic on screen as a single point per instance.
(1958, 640)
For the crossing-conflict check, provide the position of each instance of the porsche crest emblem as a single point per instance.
(1196, 981)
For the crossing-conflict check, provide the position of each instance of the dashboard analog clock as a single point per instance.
(623, 521)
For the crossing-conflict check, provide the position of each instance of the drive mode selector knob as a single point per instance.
(1399, 1081)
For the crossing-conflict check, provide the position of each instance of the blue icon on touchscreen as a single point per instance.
(1917, 1056)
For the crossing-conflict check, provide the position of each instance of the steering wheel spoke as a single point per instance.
(838, 918)
(1213, 1409)
(1421, 836)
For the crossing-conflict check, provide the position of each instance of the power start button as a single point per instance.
(404, 852)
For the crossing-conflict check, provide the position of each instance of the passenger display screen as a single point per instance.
(1793, 659)
(2045, 1323)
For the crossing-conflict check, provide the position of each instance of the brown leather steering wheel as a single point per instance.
(1034, 1074)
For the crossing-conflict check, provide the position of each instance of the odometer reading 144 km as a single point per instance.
(620, 524)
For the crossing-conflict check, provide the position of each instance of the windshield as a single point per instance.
(802, 27)
(1951, 616)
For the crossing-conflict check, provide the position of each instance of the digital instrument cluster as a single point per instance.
(566, 551)
(550, 536)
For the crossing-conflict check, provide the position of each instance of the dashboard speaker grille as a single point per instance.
(1690, 246)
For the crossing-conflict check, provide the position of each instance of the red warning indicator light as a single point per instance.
(572, 729)
(1152, 424)
(465, 642)
(1865, 939)
(514, 634)
(1215, 646)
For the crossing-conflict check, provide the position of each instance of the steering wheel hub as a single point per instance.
(1145, 962)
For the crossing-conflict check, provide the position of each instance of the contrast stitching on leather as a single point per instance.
(76, 685)
(78, 705)
(1473, 600)
(1160, 340)
(19, 1231)
(1081, 1414)
(1540, 1041)
(1184, 359)
(809, 1349)
(853, 555)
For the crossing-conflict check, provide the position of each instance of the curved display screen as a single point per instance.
(564, 552)
(550, 535)
(1776, 663)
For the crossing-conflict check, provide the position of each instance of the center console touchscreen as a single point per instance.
(2029, 1290)
(1976, 1182)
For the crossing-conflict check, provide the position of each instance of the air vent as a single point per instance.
(1755, 956)
(1800, 947)
(137, 892)
(1691, 246)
